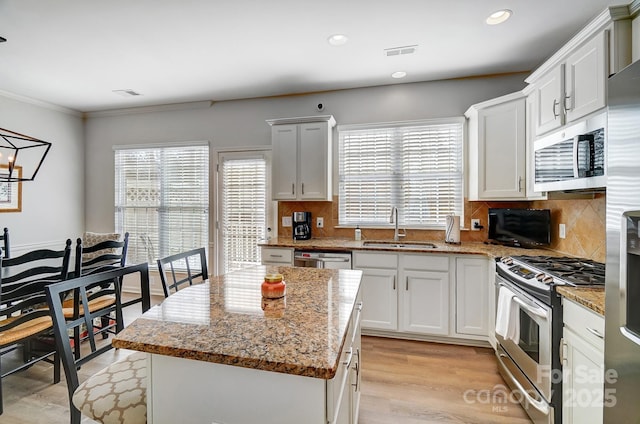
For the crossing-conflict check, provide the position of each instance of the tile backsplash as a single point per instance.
(584, 220)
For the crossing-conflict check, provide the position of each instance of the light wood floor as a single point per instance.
(410, 382)
(403, 382)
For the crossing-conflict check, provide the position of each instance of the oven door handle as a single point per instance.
(541, 406)
(537, 311)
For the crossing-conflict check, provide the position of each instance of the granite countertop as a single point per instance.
(226, 321)
(465, 248)
(591, 297)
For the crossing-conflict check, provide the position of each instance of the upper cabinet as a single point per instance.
(572, 83)
(302, 157)
(497, 149)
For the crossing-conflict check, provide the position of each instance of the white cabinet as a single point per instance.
(571, 84)
(276, 255)
(548, 94)
(472, 296)
(574, 88)
(406, 293)
(583, 365)
(424, 294)
(586, 73)
(343, 391)
(497, 149)
(302, 158)
(379, 289)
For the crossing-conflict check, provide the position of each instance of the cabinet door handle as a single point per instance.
(406, 284)
(394, 282)
(595, 332)
(302, 188)
(356, 367)
(293, 188)
(555, 103)
(519, 184)
(567, 97)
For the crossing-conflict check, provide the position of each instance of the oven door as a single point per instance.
(532, 351)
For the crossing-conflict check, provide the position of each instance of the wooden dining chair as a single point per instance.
(41, 264)
(4, 237)
(183, 268)
(103, 256)
(100, 256)
(124, 380)
(25, 319)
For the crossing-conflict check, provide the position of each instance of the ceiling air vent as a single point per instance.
(127, 92)
(398, 51)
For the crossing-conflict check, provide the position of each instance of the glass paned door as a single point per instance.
(243, 208)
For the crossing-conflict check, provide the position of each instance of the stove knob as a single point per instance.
(547, 279)
(544, 278)
(507, 260)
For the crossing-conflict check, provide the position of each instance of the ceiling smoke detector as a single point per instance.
(398, 51)
(127, 92)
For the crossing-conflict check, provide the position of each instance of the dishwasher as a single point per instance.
(327, 260)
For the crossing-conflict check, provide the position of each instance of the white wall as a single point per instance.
(242, 123)
(52, 204)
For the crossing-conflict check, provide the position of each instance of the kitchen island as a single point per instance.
(220, 353)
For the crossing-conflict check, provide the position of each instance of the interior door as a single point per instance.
(244, 210)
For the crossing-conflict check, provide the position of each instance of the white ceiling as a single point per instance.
(74, 53)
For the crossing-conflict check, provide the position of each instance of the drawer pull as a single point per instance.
(275, 256)
(595, 332)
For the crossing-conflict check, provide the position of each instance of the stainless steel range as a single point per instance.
(529, 326)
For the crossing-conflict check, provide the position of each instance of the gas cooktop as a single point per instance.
(564, 270)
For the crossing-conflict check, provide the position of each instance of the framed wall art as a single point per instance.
(10, 192)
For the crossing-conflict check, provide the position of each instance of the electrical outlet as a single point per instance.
(563, 231)
(320, 222)
(475, 224)
(286, 221)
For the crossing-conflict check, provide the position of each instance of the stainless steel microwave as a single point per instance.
(573, 158)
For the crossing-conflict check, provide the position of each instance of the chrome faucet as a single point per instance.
(393, 219)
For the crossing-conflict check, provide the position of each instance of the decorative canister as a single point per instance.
(273, 287)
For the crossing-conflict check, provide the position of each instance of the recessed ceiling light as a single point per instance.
(337, 39)
(399, 74)
(499, 17)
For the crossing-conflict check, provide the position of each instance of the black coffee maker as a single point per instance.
(301, 225)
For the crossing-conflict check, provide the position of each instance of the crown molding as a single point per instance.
(150, 109)
(39, 103)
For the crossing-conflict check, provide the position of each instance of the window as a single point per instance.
(162, 199)
(414, 166)
(242, 208)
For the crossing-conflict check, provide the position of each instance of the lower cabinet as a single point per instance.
(424, 294)
(472, 296)
(343, 391)
(583, 375)
(379, 289)
(276, 255)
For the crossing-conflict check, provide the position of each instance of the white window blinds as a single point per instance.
(162, 199)
(416, 167)
(243, 215)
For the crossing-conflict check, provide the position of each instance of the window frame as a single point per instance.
(158, 248)
(384, 221)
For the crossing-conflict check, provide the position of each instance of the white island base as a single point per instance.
(183, 391)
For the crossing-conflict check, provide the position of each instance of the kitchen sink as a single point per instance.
(395, 245)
